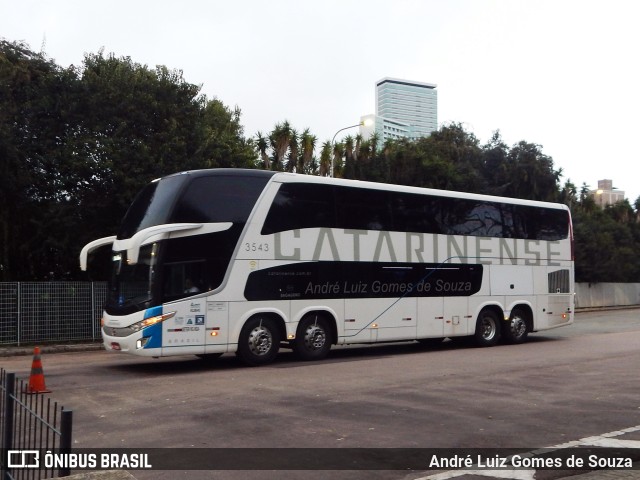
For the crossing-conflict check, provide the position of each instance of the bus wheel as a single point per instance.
(313, 338)
(517, 328)
(487, 329)
(259, 341)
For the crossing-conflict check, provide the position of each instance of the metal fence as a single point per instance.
(30, 424)
(40, 312)
(37, 312)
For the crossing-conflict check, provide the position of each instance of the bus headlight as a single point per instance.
(147, 322)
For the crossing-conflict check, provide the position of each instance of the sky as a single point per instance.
(563, 74)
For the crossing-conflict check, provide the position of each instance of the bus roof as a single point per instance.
(286, 177)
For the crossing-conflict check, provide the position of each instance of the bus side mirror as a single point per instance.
(89, 247)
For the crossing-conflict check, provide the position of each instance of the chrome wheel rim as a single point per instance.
(260, 340)
(314, 337)
(518, 327)
(488, 328)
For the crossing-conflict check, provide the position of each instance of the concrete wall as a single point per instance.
(607, 294)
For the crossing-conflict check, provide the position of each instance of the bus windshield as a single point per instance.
(184, 265)
(132, 285)
(152, 206)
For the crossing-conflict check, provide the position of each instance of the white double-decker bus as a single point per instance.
(248, 261)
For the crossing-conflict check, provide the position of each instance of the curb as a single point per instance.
(606, 308)
(28, 349)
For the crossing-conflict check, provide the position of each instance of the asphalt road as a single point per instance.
(561, 386)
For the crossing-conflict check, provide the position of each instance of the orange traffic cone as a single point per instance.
(36, 380)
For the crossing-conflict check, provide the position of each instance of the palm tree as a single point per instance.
(325, 159)
(280, 140)
(338, 154)
(373, 143)
(292, 158)
(349, 167)
(356, 152)
(261, 146)
(364, 152)
(308, 145)
(569, 194)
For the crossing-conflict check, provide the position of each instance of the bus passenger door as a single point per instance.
(184, 332)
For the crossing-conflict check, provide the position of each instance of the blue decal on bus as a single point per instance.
(154, 332)
(152, 312)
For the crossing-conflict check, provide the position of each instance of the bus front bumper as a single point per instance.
(146, 342)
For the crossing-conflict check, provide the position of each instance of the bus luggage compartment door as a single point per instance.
(380, 319)
(456, 317)
(217, 331)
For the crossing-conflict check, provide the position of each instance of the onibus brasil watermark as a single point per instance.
(20, 459)
(326, 459)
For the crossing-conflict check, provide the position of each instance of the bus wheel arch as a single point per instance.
(520, 323)
(315, 333)
(259, 340)
(488, 326)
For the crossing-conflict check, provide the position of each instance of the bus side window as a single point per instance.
(183, 278)
(363, 209)
(301, 205)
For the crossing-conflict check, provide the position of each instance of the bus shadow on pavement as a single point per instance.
(287, 359)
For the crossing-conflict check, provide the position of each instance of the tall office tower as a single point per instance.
(404, 109)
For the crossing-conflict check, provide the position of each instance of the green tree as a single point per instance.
(137, 124)
(325, 159)
(292, 157)
(532, 174)
(220, 138)
(496, 166)
(338, 159)
(280, 140)
(349, 157)
(262, 144)
(307, 147)
(453, 144)
(33, 124)
(605, 249)
(77, 144)
(569, 194)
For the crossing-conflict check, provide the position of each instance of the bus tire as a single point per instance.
(487, 329)
(517, 328)
(259, 341)
(313, 337)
